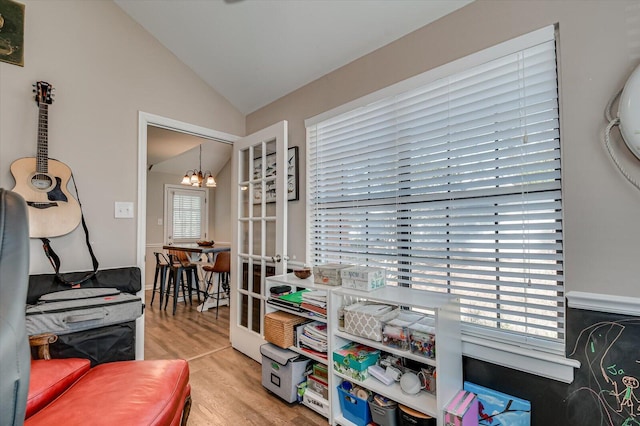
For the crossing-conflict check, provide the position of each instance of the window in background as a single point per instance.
(185, 214)
(451, 181)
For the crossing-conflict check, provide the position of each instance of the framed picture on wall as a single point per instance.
(12, 32)
(293, 184)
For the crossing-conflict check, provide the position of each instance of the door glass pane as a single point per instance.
(244, 166)
(244, 200)
(256, 315)
(244, 316)
(270, 232)
(244, 283)
(244, 237)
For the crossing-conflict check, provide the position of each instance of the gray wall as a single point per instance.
(105, 68)
(599, 45)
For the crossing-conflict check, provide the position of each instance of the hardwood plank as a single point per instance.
(226, 385)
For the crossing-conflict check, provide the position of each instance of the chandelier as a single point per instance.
(197, 177)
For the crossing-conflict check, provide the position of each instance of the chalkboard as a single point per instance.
(606, 389)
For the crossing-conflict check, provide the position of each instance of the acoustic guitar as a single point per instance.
(42, 181)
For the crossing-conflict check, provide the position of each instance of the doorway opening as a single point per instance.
(152, 124)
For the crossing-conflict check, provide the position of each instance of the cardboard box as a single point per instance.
(353, 359)
(363, 278)
(462, 410)
(328, 273)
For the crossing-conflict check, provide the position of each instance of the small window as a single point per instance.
(185, 214)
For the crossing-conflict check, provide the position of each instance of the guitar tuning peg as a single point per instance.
(34, 85)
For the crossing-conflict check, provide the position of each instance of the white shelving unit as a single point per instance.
(448, 361)
(297, 283)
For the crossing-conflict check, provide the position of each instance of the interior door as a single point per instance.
(259, 200)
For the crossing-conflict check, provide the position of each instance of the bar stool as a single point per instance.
(179, 265)
(162, 266)
(221, 266)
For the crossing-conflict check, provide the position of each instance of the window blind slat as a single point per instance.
(453, 186)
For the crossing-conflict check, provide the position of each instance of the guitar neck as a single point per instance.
(42, 157)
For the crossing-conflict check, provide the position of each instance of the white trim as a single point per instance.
(499, 50)
(182, 127)
(604, 303)
(146, 119)
(540, 363)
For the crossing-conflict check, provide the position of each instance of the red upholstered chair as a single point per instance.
(67, 391)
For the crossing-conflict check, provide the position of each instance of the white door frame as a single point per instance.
(146, 119)
(245, 338)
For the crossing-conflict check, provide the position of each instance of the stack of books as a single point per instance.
(312, 338)
(291, 301)
(315, 301)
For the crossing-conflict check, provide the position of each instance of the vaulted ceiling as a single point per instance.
(253, 52)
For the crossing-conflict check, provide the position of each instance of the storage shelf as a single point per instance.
(445, 309)
(298, 313)
(307, 283)
(341, 421)
(308, 355)
(319, 398)
(422, 401)
(403, 296)
(293, 281)
(379, 345)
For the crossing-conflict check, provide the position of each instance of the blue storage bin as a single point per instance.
(354, 409)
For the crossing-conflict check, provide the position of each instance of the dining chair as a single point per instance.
(179, 266)
(162, 266)
(221, 266)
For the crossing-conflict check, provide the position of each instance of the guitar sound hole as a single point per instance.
(41, 181)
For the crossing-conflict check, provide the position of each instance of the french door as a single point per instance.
(259, 205)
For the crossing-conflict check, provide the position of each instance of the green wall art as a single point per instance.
(12, 32)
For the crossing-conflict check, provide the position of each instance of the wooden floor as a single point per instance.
(225, 384)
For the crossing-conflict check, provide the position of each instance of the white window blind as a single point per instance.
(187, 214)
(453, 186)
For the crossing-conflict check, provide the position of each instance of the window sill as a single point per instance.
(540, 363)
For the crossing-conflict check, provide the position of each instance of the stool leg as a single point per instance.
(155, 283)
(163, 278)
(207, 286)
(177, 283)
(194, 271)
(218, 294)
(189, 287)
(170, 280)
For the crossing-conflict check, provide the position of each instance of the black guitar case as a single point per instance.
(127, 280)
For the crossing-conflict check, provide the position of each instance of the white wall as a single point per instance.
(105, 68)
(599, 45)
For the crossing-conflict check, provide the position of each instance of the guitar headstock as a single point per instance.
(44, 92)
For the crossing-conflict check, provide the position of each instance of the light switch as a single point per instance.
(123, 210)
